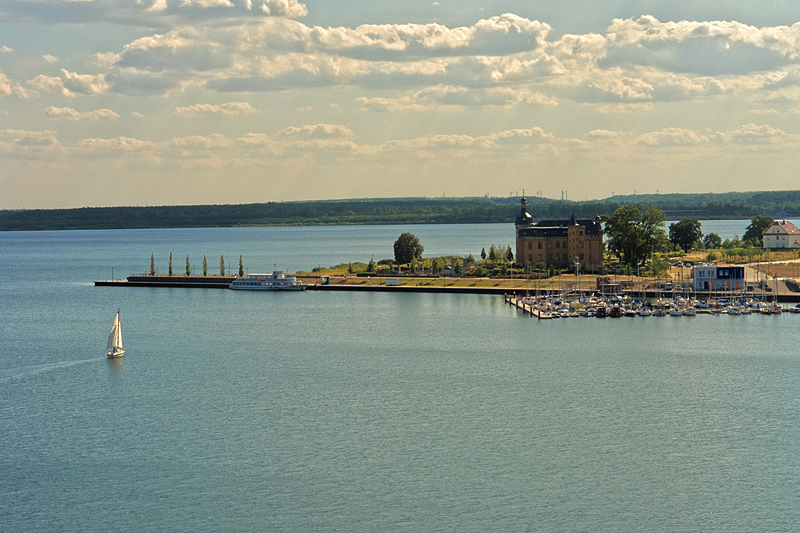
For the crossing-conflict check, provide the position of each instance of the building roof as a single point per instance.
(784, 225)
(555, 228)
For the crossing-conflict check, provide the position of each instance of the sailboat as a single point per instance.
(115, 339)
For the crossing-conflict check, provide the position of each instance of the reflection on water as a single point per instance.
(115, 366)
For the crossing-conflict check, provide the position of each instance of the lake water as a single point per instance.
(328, 411)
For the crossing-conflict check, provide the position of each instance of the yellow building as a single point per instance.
(559, 242)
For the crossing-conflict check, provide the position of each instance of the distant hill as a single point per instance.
(393, 211)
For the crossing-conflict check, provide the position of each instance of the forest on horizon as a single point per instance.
(732, 205)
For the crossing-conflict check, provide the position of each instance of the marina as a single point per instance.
(619, 306)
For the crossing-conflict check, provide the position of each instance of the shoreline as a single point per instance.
(222, 282)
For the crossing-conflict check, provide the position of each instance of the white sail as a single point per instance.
(115, 335)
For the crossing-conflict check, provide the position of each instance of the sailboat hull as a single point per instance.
(116, 353)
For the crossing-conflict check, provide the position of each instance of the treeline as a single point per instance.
(393, 211)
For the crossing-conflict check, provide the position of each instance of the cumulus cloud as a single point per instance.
(71, 83)
(317, 131)
(456, 96)
(203, 142)
(147, 13)
(672, 137)
(118, 144)
(68, 113)
(229, 109)
(9, 87)
(708, 48)
(753, 134)
(30, 145)
(6, 49)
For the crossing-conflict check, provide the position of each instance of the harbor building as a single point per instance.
(781, 234)
(718, 278)
(558, 242)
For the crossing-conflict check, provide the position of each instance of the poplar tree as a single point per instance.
(170, 263)
(188, 268)
(205, 267)
(221, 266)
(152, 265)
(241, 267)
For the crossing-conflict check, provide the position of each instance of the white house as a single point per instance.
(781, 234)
(719, 278)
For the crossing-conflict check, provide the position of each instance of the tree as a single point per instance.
(205, 267)
(483, 254)
(494, 254)
(406, 248)
(221, 266)
(758, 225)
(685, 232)
(712, 241)
(634, 235)
(241, 267)
(457, 267)
(152, 265)
(188, 268)
(510, 255)
(170, 263)
(371, 266)
(658, 266)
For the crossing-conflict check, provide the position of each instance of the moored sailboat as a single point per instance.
(115, 339)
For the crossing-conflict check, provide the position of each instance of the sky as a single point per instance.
(176, 102)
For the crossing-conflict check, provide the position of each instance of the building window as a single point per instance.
(540, 245)
(549, 257)
(581, 257)
(565, 244)
(540, 257)
(530, 258)
(565, 257)
(558, 244)
(549, 244)
(580, 244)
(530, 245)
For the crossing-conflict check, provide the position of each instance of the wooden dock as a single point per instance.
(522, 306)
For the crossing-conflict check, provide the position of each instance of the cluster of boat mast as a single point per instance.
(571, 305)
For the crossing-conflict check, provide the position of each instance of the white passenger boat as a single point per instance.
(267, 282)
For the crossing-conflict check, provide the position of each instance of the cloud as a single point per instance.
(9, 87)
(672, 137)
(50, 59)
(752, 134)
(146, 13)
(6, 49)
(706, 48)
(228, 109)
(439, 96)
(111, 146)
(317, 131)
(203, 142)
(501, 35)
(71, 83)
(67, 113)
(31, 145)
